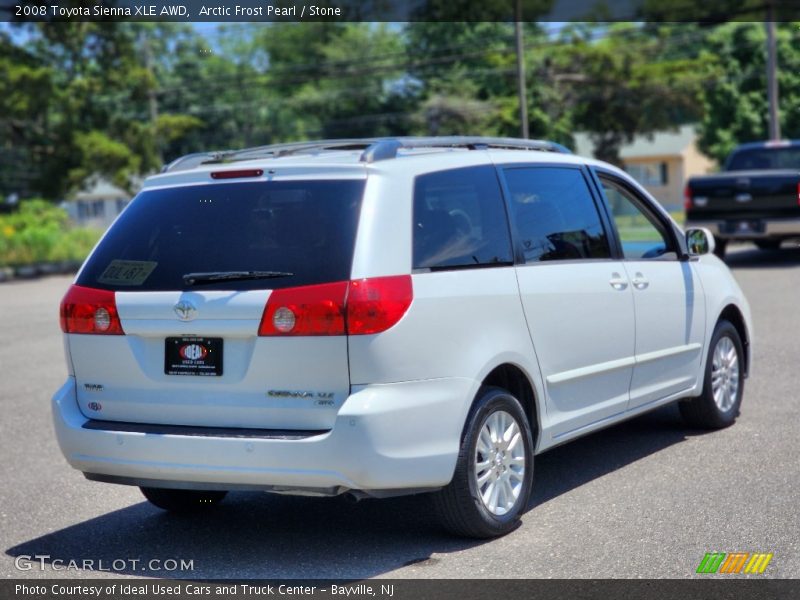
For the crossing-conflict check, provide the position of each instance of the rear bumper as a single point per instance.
(389, 437)
(783, 228)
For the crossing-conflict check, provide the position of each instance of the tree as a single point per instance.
(334, 79)
(115, 98)
(466, 73)
(734, 99)
(26, 85)
(74, 102)
(623, 84)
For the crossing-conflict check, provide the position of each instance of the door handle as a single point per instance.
(618, 282)
(639, 282)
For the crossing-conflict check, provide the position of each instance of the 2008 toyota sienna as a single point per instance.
(387, 316)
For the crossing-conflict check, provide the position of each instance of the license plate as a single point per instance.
(744, 227)
(193, 356)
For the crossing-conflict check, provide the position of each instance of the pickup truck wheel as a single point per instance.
(768, 244)
(720, 245)
(494, 471)
(718, 405)
(182, 500)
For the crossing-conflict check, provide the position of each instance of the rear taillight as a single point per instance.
(375, 305)
(798, 193)
(687, 197)
(306, 310)
(358, 307)
(86, 310)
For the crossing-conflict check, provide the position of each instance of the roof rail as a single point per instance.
(374, 149)
(388, 148)
(272, 150)
(189, 161)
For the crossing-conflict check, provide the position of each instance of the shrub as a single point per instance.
(41, 232)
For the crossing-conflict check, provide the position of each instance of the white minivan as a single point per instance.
(387, 316)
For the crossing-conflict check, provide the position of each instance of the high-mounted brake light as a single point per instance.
(237, 174)
(87, 310)
(359, 307)
(687, 197)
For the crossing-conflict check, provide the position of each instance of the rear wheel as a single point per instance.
(182, 500)
(718, 405)
(768, 244)
(494, 472)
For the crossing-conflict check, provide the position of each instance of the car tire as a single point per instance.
(173, 500)
(471, 508)
(720, 246)
(768, 244)
(723, 385)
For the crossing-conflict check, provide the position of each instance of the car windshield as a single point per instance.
(303, 229)
(765, 158)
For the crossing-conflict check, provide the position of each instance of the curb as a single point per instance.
(37, 270)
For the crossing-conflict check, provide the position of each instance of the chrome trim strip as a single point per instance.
(657, 354)
(611, 365)
(620, 363)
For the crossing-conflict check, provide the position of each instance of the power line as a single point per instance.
(270, 77)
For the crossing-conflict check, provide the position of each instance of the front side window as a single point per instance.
(555, 214)
(460, 220)
(641, 234)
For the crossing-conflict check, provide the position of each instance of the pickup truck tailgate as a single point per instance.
(744, 194)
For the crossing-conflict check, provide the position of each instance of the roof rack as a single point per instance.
(384, 149)
(273, 151)
(373, 149)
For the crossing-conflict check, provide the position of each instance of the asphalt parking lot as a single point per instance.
(647, 498)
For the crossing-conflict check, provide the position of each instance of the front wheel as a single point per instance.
(718, 405)
(182, 500)
(492, 482)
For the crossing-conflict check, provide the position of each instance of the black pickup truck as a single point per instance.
(756, 197)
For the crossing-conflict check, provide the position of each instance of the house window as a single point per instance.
(121, 204)
(91, 209)
(652, 173)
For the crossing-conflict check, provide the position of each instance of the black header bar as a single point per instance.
(706, 11)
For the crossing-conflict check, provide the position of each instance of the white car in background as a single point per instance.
(385, 317)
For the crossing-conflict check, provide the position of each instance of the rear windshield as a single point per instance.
(765, 158)
(306, 228)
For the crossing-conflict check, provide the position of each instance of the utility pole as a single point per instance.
(523, 100)
(772, 80)
(152, 98)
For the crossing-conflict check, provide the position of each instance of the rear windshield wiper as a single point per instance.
(196, 278)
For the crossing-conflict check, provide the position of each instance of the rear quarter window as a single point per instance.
(460, 220)
(306, 228)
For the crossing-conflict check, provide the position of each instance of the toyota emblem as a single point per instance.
(186, 311)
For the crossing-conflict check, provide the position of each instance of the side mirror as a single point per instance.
(699, 241)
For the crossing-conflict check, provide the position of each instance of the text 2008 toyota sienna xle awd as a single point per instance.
(383, 317)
